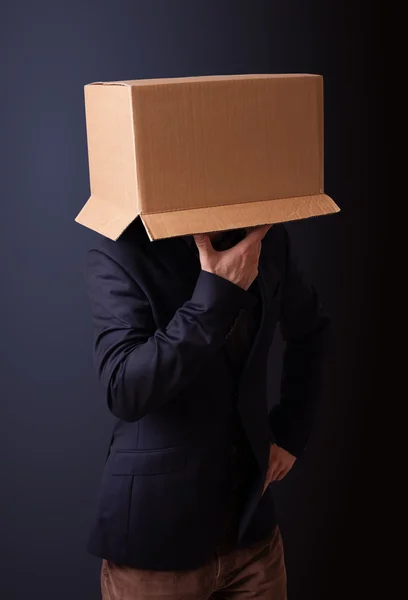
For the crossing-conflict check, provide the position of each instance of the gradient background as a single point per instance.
(54, 427)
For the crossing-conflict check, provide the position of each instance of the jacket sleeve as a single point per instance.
(303, 324)
(139, 366)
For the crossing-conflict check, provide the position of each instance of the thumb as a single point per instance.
(203, 243)
(256, 234)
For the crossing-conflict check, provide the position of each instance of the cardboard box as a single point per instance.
(200, 154)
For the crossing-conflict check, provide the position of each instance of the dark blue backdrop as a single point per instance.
(54, 428)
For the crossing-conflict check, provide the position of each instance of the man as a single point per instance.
(183, 327)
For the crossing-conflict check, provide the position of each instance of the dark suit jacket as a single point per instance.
(160, 326)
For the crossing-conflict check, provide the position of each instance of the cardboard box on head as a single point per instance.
(198, 154)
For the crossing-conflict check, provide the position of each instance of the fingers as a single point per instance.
(277, 475)
(203, 244)
(274, 474)
(281, 474)
(254, 236)
(270, 477)
(280, 463)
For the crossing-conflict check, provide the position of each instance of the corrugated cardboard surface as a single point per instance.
(226, 142)
(204, 153)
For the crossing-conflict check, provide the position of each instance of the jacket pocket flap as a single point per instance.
(148, 462)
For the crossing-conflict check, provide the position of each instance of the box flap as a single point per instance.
(113, 201)
(105, 218)
(233, 216)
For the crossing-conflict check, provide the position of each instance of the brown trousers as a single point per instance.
(254, 572)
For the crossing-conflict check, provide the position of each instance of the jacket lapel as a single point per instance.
(269, 283)
(256, 421)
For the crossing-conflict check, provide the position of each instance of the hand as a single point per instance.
(239, 264)
(280, 463)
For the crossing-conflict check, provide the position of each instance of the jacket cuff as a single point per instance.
(288, 438)
(290, 445)
(272, 438)
(218, 302)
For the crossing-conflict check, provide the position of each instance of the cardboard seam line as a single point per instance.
(149, 232)
(172, 210)
(136, 166)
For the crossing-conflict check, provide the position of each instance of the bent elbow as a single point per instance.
(122, 402)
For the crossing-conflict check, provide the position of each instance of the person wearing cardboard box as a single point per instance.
(184, 322)
(186, 507)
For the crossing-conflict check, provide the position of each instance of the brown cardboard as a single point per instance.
(204, 153)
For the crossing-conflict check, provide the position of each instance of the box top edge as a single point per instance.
(204, 79)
